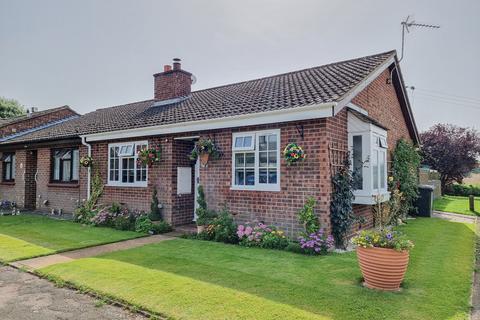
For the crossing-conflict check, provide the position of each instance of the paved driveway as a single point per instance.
(26, 297)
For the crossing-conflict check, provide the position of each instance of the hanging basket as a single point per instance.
(293, 153)
(149, 156)
(86, 161)
(204, 157)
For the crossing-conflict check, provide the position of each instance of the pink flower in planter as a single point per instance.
(241, 231)
(248, 230)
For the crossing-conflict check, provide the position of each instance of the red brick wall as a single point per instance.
(382, 104)
(15, 191)
(64, 196)
(297, 182)
(35, 121)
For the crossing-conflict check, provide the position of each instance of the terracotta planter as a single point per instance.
(382, 269)
(204, 158)
(200, 229)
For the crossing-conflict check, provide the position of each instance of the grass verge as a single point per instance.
(28, 236)
(456, 204)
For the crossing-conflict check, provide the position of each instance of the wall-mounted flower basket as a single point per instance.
(149, 156)
(293, 154)
(86, 161)
(205, 149)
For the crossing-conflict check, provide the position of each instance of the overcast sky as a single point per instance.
(95, 54)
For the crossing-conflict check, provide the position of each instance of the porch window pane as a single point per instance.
(250, 177)
(357, 162)
(56, 169)
(375, 169)
(382, 161)
(240, 177)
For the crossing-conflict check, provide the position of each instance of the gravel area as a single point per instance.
(24, 296)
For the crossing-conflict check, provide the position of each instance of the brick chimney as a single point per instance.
(172, 83)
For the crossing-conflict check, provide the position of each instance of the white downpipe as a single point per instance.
(89, 172)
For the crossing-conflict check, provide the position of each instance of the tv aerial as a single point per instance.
(407, 24)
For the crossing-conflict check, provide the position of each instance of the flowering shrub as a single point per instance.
(317, 243)
(261, 235)
(204, 146)
(86, 161)
(293, 153)
(384, 238)
(104, 218)
(222, 228)
(149, 156)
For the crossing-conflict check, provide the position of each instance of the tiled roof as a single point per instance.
(328, 83)
(29, 116)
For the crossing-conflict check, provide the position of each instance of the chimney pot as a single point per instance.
(167, 68)
(176, 64)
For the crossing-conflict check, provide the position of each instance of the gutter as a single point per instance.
(89, 174)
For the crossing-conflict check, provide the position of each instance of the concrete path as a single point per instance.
(24, 296)
(455, 217)
(40, 262)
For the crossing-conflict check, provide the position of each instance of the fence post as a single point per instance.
(471, 200)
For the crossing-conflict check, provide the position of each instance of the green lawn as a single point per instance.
(189, 279)
(27, 236)
(456, 204)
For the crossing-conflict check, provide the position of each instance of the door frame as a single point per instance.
(196, 183)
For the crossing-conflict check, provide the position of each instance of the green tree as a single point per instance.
(10, 108)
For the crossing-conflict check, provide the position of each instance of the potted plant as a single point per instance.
(383, 256)
(86, 161)
(293, 153)
(204, 148)
(149, 156)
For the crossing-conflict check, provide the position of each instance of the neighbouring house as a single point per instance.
(18, 164)
(358, 105)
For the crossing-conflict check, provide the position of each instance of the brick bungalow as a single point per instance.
(358, 105)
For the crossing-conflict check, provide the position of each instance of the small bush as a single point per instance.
(223, 228)
(143, 224)
(161, 227)
(261, 235)
(104, 218)
(462, 190)
(317, 243)
(294, 247)
(307, 216)
(155, 212)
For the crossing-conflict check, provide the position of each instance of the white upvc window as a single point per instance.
(368, 151)
(124, 169)
(256, 160)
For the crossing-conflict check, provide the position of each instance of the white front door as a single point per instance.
(196, 183)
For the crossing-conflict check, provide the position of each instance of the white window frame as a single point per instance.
(256, 138)
(135, 184)
(370, 135)
(248, 148)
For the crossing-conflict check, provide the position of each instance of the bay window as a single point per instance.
(65, 165)
(8, 173)
(368, 150)
(256, 160)
(124, 169)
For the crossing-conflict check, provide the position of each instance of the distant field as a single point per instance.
(472, 179)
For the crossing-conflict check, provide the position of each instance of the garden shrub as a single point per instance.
(143, 225)
(223, 228)
(317, 243)
(261, 235)
(307, 216)
(161, 227)
(462, 190)
(155, 212)
(104, 218)
(405, 165)
(88, 210)
(204, 216)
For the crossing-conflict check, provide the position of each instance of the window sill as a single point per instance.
(63, 185)
(8, 183)
(256, 188)
(370, 199)
(126, 185)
